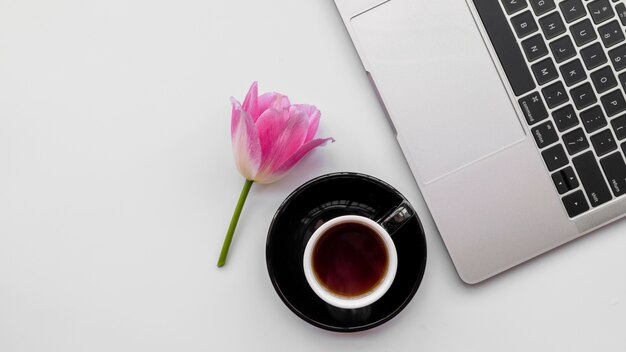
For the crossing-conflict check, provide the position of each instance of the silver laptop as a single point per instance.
(511, 114)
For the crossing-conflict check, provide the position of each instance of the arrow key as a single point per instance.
(575, 203)
(570, 177)
(555, 157)
(559, 182)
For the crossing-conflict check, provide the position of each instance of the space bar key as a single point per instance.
(506, 46)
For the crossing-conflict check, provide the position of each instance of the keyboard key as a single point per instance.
(618, 57)
(565, 180)
(622, 79)
(601, 10)
(533, 108)
(603, 142)
(593, 56)
(611, 34)
(545, 134)
(583, 96)
(505, 45)
(565, 118)
(619, 127)
(555, 157)
(575, 204)
(583, 32)
(555, 94)
(575, 141)
(562, 49)
(593, 119)
(592, 179)
(534, 47)
(621, 12)
(524, 24)
(552, 25)
(559, 182)
(573, 72)
(572, 10)
(512, 6)
(541, 7)
(570, 177)
(613, 102)
(615, 171)
(545, 71)
(603, 79)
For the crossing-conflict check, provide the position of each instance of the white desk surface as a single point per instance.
(117, 185)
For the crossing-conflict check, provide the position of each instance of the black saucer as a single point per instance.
(316, 202)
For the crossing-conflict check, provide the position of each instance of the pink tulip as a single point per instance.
(269, 137)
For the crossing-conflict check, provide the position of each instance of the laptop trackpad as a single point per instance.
(438, 83)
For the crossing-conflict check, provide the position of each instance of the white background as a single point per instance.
(117, 185)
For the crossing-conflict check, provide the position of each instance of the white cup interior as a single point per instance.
(360, 301)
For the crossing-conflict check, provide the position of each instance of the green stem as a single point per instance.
(233, 223)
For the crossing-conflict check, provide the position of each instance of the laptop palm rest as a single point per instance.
(438, 83)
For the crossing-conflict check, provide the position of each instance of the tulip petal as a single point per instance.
(273, 100)
(250, 103)
(235, 116)
(245, 142)
(284, 168)
(270, 125)
(291, 138)
(314, 120)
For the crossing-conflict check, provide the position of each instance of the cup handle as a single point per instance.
(394, 219)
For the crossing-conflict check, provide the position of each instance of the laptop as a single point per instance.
(510, 113)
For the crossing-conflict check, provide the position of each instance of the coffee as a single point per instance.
(350, 260)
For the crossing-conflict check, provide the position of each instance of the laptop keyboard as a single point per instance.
(566, 62)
